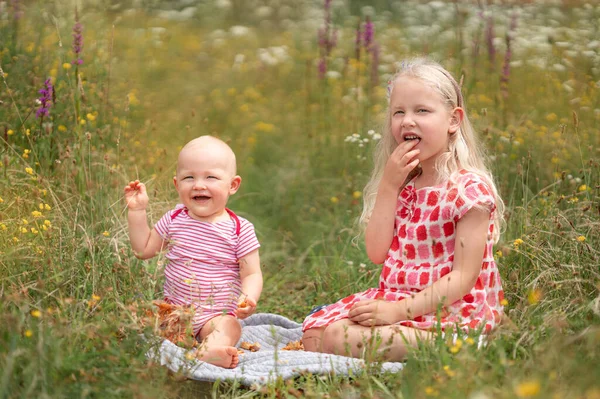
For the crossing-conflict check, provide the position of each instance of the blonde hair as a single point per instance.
(464, 150)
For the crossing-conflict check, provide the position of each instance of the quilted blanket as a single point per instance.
(272, 332)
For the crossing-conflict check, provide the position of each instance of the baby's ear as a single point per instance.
(236, 181)
(456, 118)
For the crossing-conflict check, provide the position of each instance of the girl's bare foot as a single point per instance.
(222, 356)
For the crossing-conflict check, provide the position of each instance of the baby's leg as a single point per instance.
(345, 337)
(218, 337)
(312, 339)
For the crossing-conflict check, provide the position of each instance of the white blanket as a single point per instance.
(272, 332)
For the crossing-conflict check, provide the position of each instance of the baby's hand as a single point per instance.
(136, 196)
(246, 307)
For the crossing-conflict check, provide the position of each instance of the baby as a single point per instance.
(213, 261)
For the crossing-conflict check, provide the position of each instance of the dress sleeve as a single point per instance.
(247, 241)
(474, 192)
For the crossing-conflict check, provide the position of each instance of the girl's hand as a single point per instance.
(136, 196)
(400, 163)
(373, 312)
(246, 307)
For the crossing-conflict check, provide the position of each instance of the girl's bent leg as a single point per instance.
(345, 337)
(311, 339)
(218, 338)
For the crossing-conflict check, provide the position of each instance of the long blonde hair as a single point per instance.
(464, 150)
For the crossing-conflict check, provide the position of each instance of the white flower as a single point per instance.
(239, 31)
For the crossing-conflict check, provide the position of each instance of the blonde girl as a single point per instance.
(431, 214)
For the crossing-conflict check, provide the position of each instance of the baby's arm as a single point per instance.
(252, 284)
(471, 237)
(380, 229)
(145, 242)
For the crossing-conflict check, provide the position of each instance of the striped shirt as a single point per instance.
(203, 269)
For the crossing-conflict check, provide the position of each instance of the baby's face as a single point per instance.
(205, 180)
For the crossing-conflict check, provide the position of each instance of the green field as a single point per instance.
(157, 74)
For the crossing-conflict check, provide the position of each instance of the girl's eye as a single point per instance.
(399, 113)
(423, 110)
(188, 177)
(212, 177)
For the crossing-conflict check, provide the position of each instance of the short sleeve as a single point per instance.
(247, 241)
(163, 225)
(474, 192)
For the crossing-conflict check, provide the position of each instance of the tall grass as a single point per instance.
(71, 293)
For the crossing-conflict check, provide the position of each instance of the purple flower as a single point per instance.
(45, 99)
(77, 40)
(489, 36)
(368, 33)
(327, 39)
(16, 6)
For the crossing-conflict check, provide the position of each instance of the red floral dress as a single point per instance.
(422, 252)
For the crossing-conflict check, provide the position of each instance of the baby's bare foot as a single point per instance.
(222, 356)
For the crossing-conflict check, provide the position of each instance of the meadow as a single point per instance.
(98, 93)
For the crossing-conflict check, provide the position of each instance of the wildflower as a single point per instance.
(528, 389)
(583, 187)
(36, 313)
(517, 242)
(95, 297)
(45, 99)
(334, 200)
(47, 207)
(77, 40)
(449, 371)
(504, 302)
(28, 333)
(368, 33)
(470, 341)
(91, 117)
(430, 391)
(3, 227)
(34, 230)
(499, 253)
(455, 348)
(23, 230)
(106, 234)
(534, 296)
(82, 121)
(357, 194)
(28, 132)
(1, 200)
(24, 221)
(10, 132)
(580, 238)
(62, 128)
(36, 214)
(15, 240)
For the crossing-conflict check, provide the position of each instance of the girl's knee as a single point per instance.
(311, 339)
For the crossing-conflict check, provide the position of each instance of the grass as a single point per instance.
(71, 293)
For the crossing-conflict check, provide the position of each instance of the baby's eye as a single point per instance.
(399, 113)
(213, 177)
(188, 177)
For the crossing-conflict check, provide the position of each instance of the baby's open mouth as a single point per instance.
(201, 198)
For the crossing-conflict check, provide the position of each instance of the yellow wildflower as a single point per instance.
(517, 242)
(3, 227)
(357, 194)
(82, 121)
(26, 153)
(91, 117)
(455, 348)
(499, 254)
(528, 389)
(430, 391)
(36, 214)
(66, 65)
(62, 128)
(504, 302)
(551, 117)
(34, 230)
(334, 200)
(449, 371)
(28, 333)
(23, 230)
(29, 171)
(583, 187)
(95, 297)
(534, 296)
(581, 238)
(47, 207)
(36, 313)
(264, 127)
(15, 240)
(105, 233)
(47, 223)
(10, 132)
(24, 221)
(27, 132)
(470, 341)
(1, 200)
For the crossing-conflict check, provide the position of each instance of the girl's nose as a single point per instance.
(408, 121)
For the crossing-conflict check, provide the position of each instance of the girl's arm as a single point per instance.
(145, 243)
(471, 237)
(380, 229)
(252, 284)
